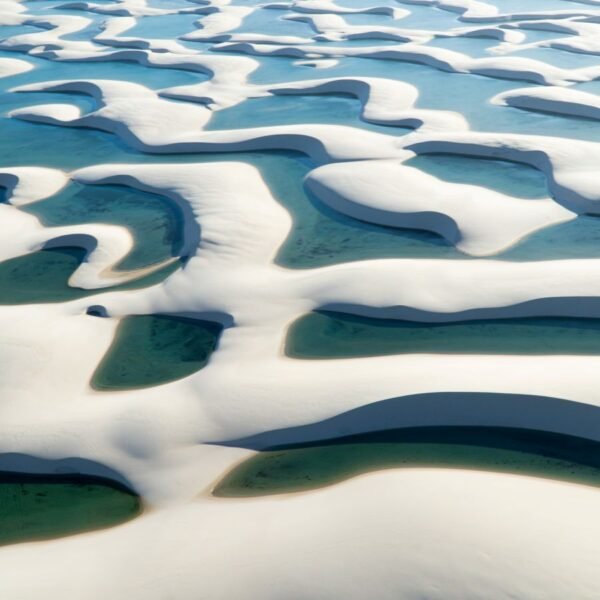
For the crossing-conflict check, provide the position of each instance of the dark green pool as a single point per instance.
(519, 451)
(338, 335)
(153, 349)
(43, 276)
(39, 507)
(155, 222)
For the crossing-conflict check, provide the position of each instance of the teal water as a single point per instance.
(172, 4)
(155, 222)
(474, 47)
(164, 27)
(41, 507)
(502, 176)
(43, 276)
(463, 93)
(579, 238)
(520, 6)
(50, 7)
(7, 31)
(119, 70)
(426, 17)
(332, 109)
(271, 22)
(367, 3)
(560, 58)
(536, 35)
(299, 468)
(153, 349)
(363, 40)
(92, 30)
(320, 236)
(326, 334)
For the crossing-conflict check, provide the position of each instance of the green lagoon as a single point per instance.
(155, 222)
(338, 335)
(302, 467)
(40, 507)
(43, 276)
(153, 349)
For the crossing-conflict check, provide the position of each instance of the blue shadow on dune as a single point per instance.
(506, 433)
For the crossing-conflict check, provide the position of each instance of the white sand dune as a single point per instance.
(478, 221)
(384, 101)
(330, 7)
(504, 67)
(553, 100)
(424, 546)
(403, 534)
(13, 66)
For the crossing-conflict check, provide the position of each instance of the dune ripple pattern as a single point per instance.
(237, 233)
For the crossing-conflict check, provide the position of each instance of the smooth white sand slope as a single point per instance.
(13, 66)
(478, 221)
(467, 547)
(504, 67)
(553, 100)
(404, 533)
(383, 101)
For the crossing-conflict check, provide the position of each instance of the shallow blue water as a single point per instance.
(464, 93)
(272, 22)
(591, 87)
(41, 7)
(367, 3)
(520, 6)
(560, 58)
(92, 30)
(154, 349)
(164, 27)
(155, 223)
(287, 110)
(505, 177)
(320, 235)
(7, 31)
(534, 34)
(47, 70)
(430, 18)
(172, 4)
(474, 47)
